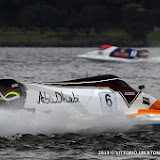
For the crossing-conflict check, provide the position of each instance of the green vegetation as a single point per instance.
(154, 39)
(79, 23)
(67, 38)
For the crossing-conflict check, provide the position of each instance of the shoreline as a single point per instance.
(18, 38)
(72, 46)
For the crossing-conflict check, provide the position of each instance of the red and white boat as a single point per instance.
(114, 53)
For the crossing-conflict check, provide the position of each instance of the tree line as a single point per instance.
(135, 16)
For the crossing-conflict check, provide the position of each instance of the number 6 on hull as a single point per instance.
(108, 101)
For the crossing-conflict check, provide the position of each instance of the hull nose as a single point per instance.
(154, 109)
(155, 105)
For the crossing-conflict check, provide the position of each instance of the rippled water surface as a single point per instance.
(43, 137)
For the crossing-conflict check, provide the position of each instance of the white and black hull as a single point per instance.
(83, 97)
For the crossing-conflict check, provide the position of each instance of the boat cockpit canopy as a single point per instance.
(111, 81)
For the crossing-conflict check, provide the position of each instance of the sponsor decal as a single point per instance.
(146, 101)
(14, 85)
(129, 93)
(56, 97)
(9, 93)
(126, 96)
(122, 50)
(108, 101)
(117, 54)
(124, 53)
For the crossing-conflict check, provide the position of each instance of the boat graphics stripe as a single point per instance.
(155, 105)
(10, 92)
(145, 111)
(154, 109)
(66, 83)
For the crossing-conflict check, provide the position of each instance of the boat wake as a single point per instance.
(139, 60)
(154, 59)
(148, 60)
(22, 122)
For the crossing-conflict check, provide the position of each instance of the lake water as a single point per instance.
(21, 138)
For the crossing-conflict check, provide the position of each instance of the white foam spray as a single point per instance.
(24, 122)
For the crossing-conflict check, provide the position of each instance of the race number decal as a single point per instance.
(108, 101)
(133, 53)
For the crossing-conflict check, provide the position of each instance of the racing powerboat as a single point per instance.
(85, 97)
(114, 53)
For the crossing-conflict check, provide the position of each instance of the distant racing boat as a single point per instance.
(114, 53)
